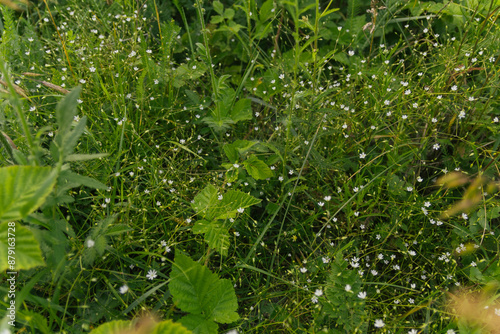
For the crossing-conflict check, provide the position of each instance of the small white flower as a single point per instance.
(303, 270)
(90, 243)
(123, 289)
(379, 323)
(362, 155)
(362, 294)
(318, 292)
(240, 210)
(348, 288)
(151, 274)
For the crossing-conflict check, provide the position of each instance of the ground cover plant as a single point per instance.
(250, 166)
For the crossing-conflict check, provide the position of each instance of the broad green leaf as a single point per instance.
(204, 200)
(242, 146)
(229, 13)
(23, 189)
(66, 110)
(231, 202)
(215, 233)
(69, 141)
(257, 168)
(195, 289)
(242, 110)
(266, 10)
(113, 327)
(82, 180)
(218, 7)
(27, 253)
(224, 307)
(191, 284)
(231, 153)
(198, 324)
(169, 327)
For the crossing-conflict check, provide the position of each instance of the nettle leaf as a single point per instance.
(257, 168)
(218, 7)
(216, 234)
(66, 111)
(231, 202)
(241, 147)
(23, 189)
(27, 250)
(242, 110)
(169, 327)
(195, 289)
(205, 199)
(231, 153)
(199, 325)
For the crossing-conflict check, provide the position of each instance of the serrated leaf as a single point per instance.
(69, 141)
(23, 189)
(229, 13)
(218, 7)
(231, 202)
(257, 168)
(82, 180)
(84, 157)
(199, 325)
(190, 284)
(66, 110)
(231, 153)
(169, 327)
(266, 10)
(242, 110)
(27, 250)
(224, 307)
(112, 327)
(215, 233)
(118, 229)
(205, 199)
(195, 289)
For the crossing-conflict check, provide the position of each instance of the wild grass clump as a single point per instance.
(252, 166)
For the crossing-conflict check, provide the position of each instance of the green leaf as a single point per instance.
(195, 289)
(231, 153)
(169, 327)
(204, 200)
(229, 13)
(199, 325)
(84, 157)
(27, 253)
(242, 110)
(112, 327)
(231, 202)
(266, 10)
(66, 110)
(242, 146)
(218, 7)
(69, 141)
(23, 189)
(82, 180)
(215, 233)
(257, 168)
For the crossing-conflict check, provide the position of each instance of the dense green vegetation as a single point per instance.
(250, 166)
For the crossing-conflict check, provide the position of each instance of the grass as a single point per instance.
(370, 158)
